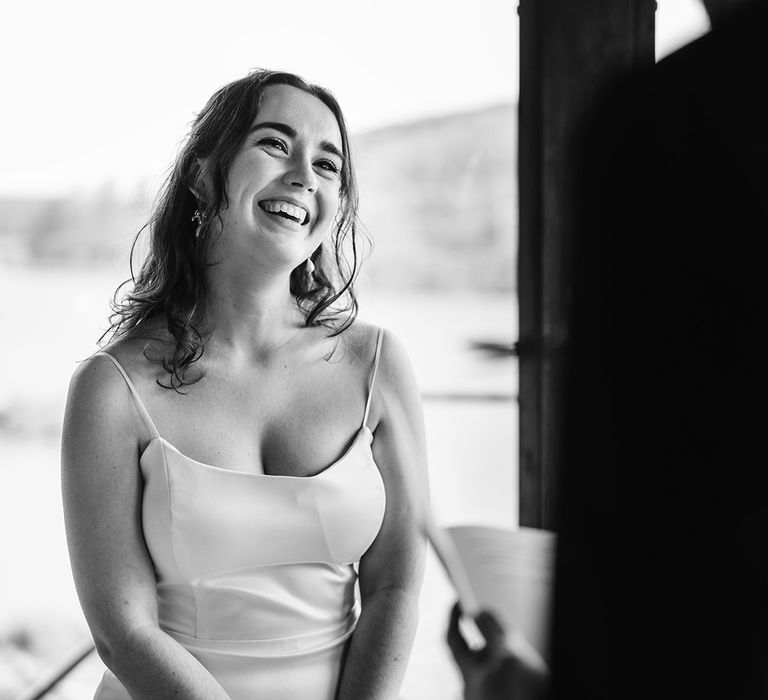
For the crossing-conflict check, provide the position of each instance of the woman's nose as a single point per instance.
(301, 174)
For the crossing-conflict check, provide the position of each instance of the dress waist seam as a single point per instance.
(308, 642)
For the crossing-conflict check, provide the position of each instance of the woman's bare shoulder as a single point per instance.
(361, 335)
(98, 382)
(127, 351)
(141, 349)
(396, 375)
(361, 339)
(141, 354)
(395, 382)
(358, 344)
(98, 400)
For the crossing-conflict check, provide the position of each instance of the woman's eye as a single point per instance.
(328, 165)
(274, 143)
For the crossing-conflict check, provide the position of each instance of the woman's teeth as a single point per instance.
(289, 211)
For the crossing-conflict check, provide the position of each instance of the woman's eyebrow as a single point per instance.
(277, 126)
(292, 133)
(328, 146)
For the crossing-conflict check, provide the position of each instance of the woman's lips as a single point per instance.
(289, 211)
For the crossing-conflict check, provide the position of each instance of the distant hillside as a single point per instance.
(438, 196)
(97, 226)
(440, 199)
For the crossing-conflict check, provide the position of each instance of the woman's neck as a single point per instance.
(251, 316)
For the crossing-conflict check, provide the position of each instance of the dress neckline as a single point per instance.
(157, 437)
(357, 439)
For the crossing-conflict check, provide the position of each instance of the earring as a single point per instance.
(197, 218)
(309, 269)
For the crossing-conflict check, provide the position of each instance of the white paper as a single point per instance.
(508, 572)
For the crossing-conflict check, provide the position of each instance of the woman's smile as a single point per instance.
(285, 210)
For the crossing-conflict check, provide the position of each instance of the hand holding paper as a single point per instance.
(507, 572)
(494, 672)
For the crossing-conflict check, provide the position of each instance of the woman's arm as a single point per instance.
(392, 568)
(101, 486)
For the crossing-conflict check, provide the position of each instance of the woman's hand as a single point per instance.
(494, 672)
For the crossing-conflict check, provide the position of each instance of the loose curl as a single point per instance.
(171, 283)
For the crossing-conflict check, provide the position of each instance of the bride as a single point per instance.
(243, 465)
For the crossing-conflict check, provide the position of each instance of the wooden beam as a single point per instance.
(570, 50)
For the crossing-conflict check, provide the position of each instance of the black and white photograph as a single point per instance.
(383, 351)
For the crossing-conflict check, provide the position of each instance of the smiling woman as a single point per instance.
(244, 453)
(284, 182)
(224, 153)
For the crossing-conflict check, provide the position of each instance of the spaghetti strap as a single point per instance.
(139, 404)
(379, 338)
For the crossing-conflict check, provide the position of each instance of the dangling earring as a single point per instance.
(197, 218)
(309, 269)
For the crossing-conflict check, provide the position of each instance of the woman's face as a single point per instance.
(284, 184)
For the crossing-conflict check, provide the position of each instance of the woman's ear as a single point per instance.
(198, 176)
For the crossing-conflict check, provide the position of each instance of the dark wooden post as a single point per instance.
(569, 51)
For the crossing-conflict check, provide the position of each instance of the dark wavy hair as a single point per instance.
(170, 286)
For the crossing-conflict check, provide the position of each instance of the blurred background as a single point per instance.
(98, 96)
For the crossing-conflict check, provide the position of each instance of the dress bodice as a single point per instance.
(244, 556)
(255, 569)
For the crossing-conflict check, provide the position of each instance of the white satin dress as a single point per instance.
(255, 573)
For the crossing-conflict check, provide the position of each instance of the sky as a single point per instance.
(99, 91)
